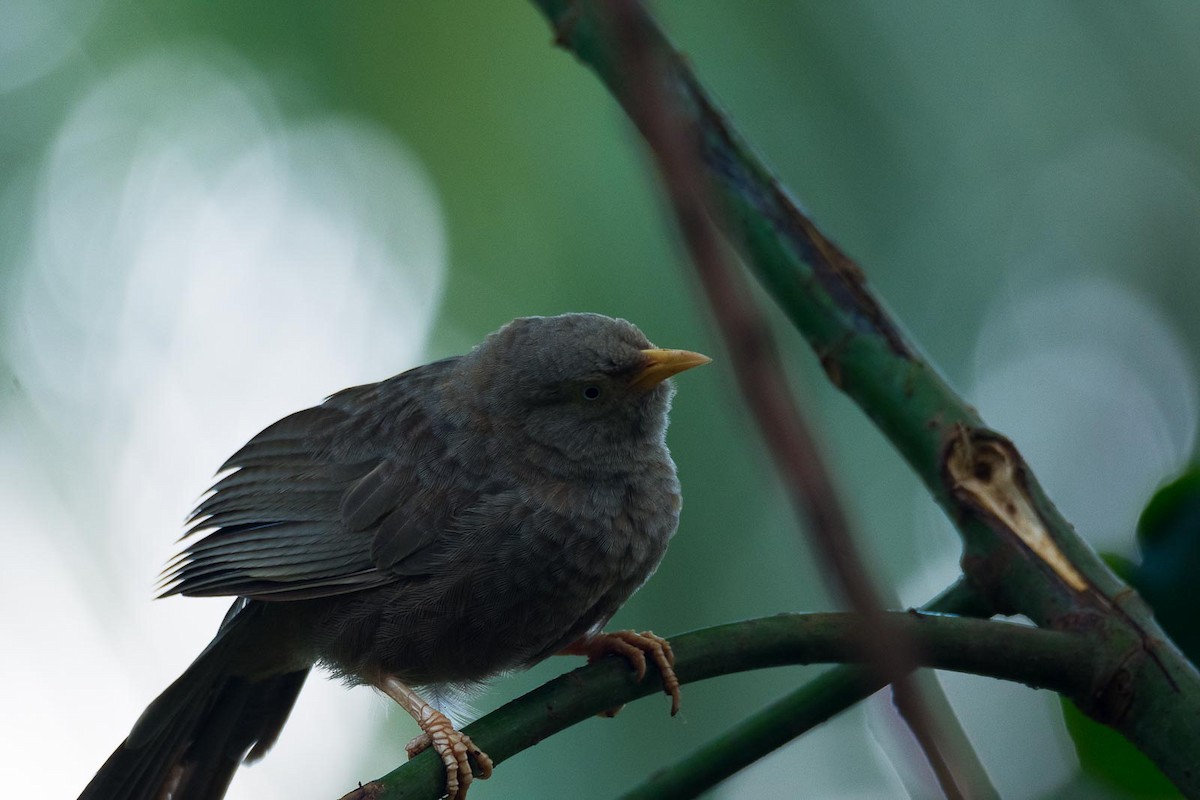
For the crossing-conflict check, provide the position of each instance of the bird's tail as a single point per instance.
(191, 739)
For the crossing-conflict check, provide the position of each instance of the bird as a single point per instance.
(456, 522)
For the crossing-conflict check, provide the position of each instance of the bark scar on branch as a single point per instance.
(838, 274)
(982, 471)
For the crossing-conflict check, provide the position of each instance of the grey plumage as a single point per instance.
(464, 518)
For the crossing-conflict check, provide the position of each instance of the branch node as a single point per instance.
(1114, 698)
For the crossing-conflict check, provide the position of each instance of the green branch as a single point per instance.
(785, 719)
(1039, 658)
(758, 368)
(1018, 550)
(797, 713)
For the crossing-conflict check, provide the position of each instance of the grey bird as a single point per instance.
(462, 519)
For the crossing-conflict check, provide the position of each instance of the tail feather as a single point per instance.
(273, 706)
(218, 746)
(191, 739)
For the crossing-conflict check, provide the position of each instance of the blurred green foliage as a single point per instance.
(959, 151)
(1108, 756)
(1168, 537)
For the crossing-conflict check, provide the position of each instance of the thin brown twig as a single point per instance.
(760, 373)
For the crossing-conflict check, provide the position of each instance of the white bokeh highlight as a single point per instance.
(197, 269)
(1095, 388)
(802, 768)
(38, 36)
(1098, 393)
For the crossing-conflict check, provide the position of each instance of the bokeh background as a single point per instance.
(214, 213)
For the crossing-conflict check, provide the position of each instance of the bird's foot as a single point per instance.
(453, 747)
(633, 647)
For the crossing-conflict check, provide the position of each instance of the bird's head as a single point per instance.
(584, 385)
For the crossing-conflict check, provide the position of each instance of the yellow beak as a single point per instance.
(662, 364)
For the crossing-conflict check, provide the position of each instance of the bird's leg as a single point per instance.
(633, 647)
(451, 745)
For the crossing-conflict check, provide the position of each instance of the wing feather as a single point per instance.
(323, 502)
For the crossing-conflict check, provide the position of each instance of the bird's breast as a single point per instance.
(537, 567)
(613, 528)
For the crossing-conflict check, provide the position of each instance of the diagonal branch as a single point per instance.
(643, 73)
(1018, 550)
(1042, 659)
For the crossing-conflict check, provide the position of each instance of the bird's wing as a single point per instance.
(318, 504)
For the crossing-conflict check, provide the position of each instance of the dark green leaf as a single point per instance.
(1109, 757)
(1169, 536)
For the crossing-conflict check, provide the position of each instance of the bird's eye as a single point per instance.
(591, 392)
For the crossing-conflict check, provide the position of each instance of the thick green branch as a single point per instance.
(1018, 550)
(793, 715)
(1043, 659)
(758, 366)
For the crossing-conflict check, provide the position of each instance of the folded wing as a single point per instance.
(327, 501)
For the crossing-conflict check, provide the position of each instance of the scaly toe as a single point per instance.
(418, 745)
(456, 749)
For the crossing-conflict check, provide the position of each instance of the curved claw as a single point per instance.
(634, 647)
